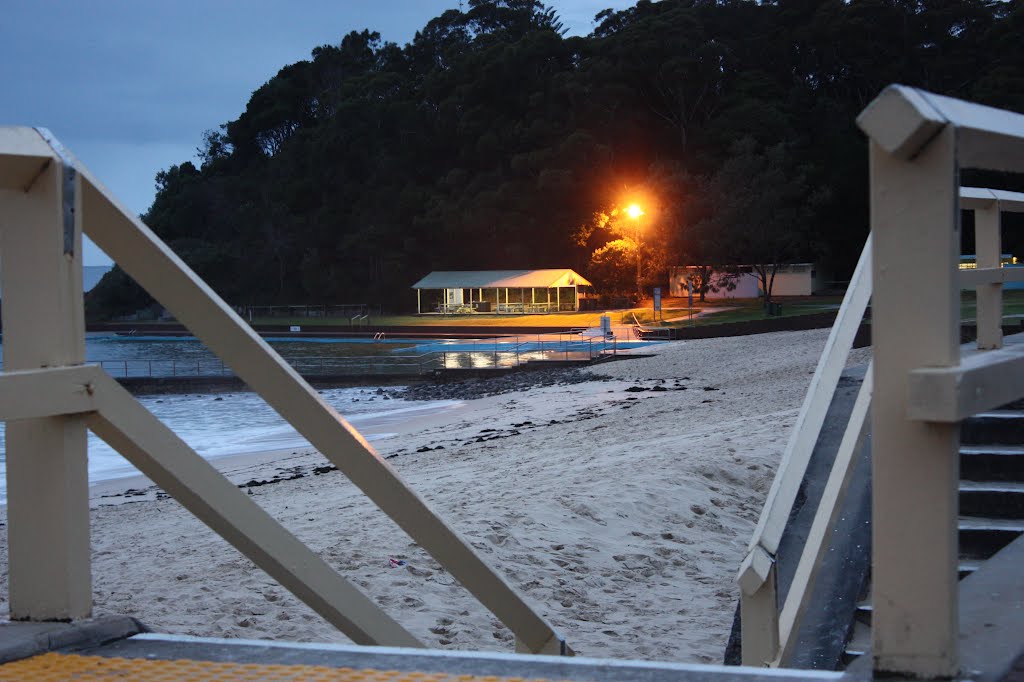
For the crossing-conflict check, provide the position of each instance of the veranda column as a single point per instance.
(47, 479)
(915, 468)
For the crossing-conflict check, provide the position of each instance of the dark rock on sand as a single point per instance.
(468, 389)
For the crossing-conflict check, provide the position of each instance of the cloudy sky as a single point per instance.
(129, 86)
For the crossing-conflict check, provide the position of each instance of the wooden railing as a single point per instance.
(758, 577)
(49, 398)
(923, 388)
(918, 388)
(780, 621)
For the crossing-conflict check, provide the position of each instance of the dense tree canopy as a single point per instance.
(491, 139)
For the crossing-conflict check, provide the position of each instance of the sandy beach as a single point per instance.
(620, 507)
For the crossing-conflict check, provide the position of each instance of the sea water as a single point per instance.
(237, 422)
(215, 425)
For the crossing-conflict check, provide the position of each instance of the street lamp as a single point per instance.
(634, 212)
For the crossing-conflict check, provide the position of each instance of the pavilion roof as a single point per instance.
(499, 279)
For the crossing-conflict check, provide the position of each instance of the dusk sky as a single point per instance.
(130, 86)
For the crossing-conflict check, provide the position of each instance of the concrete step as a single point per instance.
(858, 644)
(991, 620)
(999, 462)
(863, 613)
(996, 499)
(991, 499)
(968, 566)
(997, 426)
(981, 537)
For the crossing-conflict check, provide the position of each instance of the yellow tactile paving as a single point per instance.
(61, 667)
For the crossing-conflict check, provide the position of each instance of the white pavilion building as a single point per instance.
(500, 291)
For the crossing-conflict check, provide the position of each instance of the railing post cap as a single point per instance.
(901, 121)
(754, 570)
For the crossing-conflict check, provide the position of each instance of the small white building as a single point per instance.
(500, 291)
(791, 279)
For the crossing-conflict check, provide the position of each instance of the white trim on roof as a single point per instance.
(492, 279)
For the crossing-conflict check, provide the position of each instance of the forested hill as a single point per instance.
(492, 140)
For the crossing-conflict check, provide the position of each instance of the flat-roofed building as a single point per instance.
(791, 279)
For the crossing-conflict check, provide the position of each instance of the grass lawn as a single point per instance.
(747, 309)
(1013, 304)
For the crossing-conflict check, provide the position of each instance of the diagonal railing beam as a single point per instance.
(804, 435)
(802, 588)
(758, 575)
(128, 427)
(141, 254)
(168, 461)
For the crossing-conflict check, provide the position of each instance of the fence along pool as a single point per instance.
(160, 357)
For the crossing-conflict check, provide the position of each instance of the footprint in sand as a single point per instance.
(496, 539)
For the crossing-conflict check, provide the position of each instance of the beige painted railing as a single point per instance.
(781, 621)
(49, 398)
(758, 577)
(923, 387)
(987, 277)
(919, 387)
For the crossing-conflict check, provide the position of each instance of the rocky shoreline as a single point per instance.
(483, 387)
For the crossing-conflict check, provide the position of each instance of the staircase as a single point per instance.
(991, 502)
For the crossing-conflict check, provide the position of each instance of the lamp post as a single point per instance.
(635, 212)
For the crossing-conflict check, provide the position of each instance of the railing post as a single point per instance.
(43, 320)
(759, 611)
(915, 465)
(988, 247)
